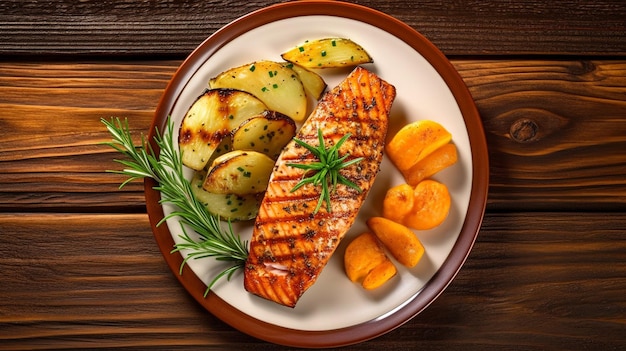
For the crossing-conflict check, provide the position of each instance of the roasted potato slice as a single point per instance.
(268, 133)
(314, 85)
(327, 53)
(226, 145)
(239, 172)
(278, 86)
(209, 119)
(226, 206)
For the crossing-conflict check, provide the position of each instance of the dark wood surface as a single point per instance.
(80, 269)
(159, 27)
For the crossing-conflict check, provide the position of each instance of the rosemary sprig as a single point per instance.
(326, 171)
(167, 170)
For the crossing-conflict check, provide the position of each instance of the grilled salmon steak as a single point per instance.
(291, 243)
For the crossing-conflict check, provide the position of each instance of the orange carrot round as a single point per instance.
(431, 205)
(398, 202)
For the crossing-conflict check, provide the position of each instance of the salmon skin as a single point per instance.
(290, 244)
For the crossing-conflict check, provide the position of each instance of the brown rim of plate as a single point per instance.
(471, 226)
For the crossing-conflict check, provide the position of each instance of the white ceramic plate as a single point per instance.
(427, 88)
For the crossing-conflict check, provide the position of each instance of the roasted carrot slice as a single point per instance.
(379, 275)
(401, 242)
(398, 202)
(431, 205)
(438, 160)
(415, 141)
(363, 259)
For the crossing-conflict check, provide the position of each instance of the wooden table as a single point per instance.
(79, 266)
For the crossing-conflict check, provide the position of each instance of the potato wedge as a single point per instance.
(415, 141)
(226, 145)
(438, 160)
(239, 172)
(278, 86)
(226, 206)
(314, 85)
(401, 242)
(398, 202)
(268, 133)
(362, 257)
(327, 53)
(209, 119)
(431, 205)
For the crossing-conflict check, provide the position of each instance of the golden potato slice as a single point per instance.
(415, 141)
(438, 160)
(209, 119)
(314, 85)
(279, 87)
(327, 53)
(239, 172)
(401, 242)
(398, 202)
(431, 205)
(268, 133)
(226, 145)
(227, 206)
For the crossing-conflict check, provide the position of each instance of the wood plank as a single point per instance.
(576, 109)
(53, 157)
(149, 28)
(556, 131)
(531, 281)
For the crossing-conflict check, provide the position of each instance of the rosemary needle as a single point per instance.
(326, 171)
(167, 170)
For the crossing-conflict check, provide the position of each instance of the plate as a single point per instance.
(334, 311)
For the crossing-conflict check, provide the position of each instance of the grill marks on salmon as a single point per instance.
(290, 245)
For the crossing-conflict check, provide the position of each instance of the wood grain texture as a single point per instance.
(175, 28)
(102, 283)
(52, 136)
(52, 158)
(556, 132)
